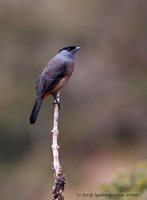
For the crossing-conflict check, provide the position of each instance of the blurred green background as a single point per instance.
(103, 116)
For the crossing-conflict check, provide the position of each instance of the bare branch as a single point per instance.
(59, 177)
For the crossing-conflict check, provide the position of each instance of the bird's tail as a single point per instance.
(35, 110)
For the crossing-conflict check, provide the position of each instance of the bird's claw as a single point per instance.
(56, 102)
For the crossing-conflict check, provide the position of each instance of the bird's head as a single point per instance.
(70, 50)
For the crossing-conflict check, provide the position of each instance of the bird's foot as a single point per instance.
(56, 101)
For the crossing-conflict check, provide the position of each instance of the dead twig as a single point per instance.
(59, 177)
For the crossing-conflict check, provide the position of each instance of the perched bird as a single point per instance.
(53, 78)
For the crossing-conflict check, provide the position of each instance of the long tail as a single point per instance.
(35, 110)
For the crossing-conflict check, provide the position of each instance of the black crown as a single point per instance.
(69, 48)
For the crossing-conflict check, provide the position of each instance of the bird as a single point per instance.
(53, 78)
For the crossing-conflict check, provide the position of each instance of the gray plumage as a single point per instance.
(53, 78)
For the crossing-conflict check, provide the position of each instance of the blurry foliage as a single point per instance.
(14, 145)
(134, 182)
(104, 105)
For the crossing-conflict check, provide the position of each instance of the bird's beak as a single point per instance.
(78, 48)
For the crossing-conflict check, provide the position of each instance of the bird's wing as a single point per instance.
(51, 75)
(37, 82)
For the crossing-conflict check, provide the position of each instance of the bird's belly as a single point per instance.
(59, 85)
